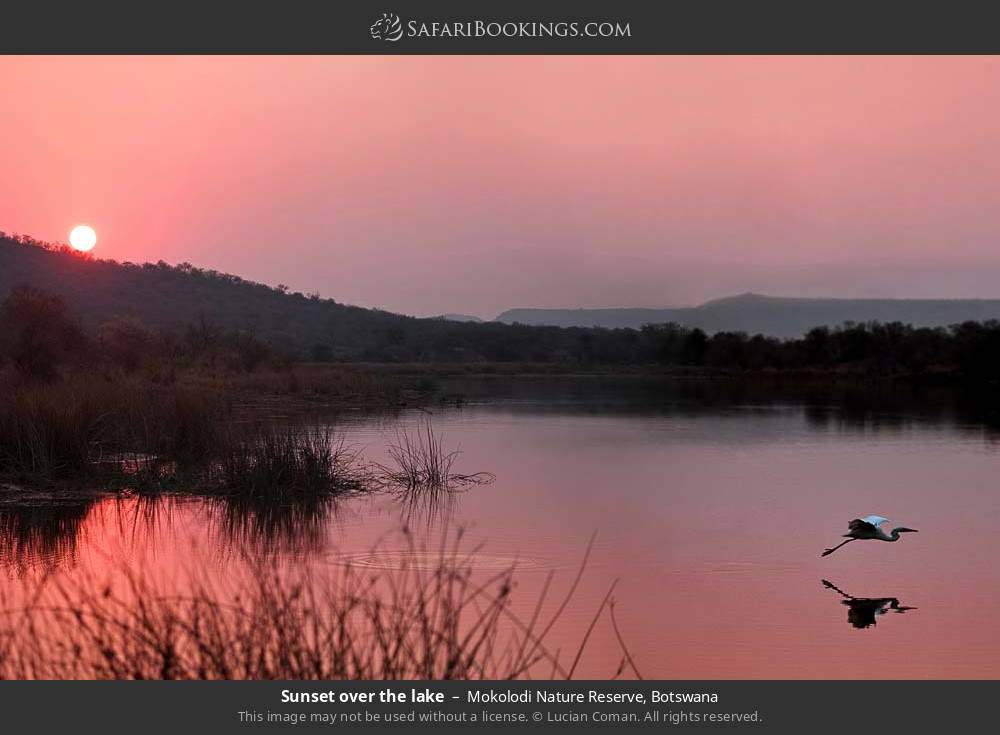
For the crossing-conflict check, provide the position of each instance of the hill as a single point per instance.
(171, 299)
(205, 308)
(770, 315)
(184, 300)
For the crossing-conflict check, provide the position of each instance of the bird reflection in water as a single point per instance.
(862, 611)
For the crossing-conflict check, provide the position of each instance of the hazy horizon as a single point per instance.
(431, 185)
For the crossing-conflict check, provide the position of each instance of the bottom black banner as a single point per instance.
(241, 707)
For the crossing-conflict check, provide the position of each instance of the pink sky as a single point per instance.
(474, 184)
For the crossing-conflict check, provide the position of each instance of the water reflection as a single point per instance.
(46, 533)
(689, 488)
(851, 407)
(862, 611)
(428, 507)
(40, 531)
(249, 525)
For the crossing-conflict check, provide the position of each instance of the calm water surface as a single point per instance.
(710, 510)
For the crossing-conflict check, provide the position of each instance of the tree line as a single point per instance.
(132, 314)
(970, 348)
(39, 333)
(39, 336)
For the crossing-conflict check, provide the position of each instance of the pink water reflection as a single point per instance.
(711, 519)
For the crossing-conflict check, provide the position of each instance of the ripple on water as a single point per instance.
(430, 560)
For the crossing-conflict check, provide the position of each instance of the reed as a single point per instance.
(73, 428)
(50, 430)
(420, 462)
(436, 621)
(273, 463)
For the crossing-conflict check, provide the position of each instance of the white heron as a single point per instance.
(867, 529)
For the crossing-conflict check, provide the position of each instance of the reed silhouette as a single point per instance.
(422, 465)
(443, 620)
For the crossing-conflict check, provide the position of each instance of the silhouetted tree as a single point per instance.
(250, 350)
(202, 335)
(126, 341)
(695, 346)
(38, 333)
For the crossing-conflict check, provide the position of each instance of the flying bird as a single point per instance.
(867, 529)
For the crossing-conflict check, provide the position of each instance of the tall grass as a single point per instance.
(280, 462)
(51, 431)
(138, 435)
(421, 462)
(67, 429)
(440, 621)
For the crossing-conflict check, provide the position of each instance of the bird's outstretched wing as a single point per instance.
(860, 524)
(875, 520)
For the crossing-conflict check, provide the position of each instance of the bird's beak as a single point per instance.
(907, 530)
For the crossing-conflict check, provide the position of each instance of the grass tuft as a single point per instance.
(277, 462)
(420, 462)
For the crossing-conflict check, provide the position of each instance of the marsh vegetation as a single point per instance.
(92, 433)
(437, 620)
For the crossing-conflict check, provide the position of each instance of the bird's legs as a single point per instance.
(835, 588)
(830, 551)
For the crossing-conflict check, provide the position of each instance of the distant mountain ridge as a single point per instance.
(777, 316)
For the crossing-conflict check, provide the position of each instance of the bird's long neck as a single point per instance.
(894, 536)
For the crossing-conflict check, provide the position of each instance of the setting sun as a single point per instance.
(83, 238)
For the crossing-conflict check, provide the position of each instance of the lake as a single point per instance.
(709, 504)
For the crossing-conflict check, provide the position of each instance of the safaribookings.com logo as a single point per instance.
(387, 28)
(390, 28)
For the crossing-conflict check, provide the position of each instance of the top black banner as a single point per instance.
(456, 27)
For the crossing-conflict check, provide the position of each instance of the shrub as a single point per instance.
(37, 332)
